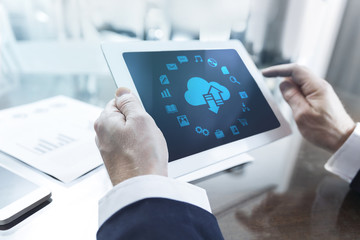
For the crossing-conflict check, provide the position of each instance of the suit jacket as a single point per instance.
(355, 183)
(160, 218)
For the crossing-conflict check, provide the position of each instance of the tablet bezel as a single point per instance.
(113, 52)
(23, 204)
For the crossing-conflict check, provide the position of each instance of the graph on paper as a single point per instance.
(55, 135)
(46, 145)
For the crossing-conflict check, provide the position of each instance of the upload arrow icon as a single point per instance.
(213, 99)
(201, 92)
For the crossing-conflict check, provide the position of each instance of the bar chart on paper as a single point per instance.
(46, 145)
(55, 135)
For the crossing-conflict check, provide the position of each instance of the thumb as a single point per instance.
(127, 103)
(293, 96)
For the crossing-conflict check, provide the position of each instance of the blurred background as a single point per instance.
(54, 45)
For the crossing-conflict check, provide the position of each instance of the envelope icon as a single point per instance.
(171, 66)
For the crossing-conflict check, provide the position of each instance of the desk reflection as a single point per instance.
(316, 205)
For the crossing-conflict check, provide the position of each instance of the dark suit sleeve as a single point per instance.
(160, 218)
(355, 183)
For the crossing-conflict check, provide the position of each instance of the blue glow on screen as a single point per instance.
(200, 99)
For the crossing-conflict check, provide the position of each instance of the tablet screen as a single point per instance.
(200, 99)
(13, 187)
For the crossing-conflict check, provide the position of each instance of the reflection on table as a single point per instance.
(315, 204)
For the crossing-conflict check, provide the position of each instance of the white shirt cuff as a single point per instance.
(150, 186)
(346, 161)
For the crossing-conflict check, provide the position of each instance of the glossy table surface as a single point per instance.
(284, 194)
(314, 205)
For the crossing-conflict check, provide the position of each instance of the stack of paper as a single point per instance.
(55, 135)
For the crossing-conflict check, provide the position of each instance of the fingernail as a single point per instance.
(121, 91)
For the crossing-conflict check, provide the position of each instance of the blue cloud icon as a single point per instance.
(201, 92)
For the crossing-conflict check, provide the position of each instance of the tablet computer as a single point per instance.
(18, 196)
(208, 98)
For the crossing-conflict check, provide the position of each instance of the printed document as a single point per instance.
(55, 135)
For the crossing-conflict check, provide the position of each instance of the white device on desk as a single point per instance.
(18, 196)
(208, 98)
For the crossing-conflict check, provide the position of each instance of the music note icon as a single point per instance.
(198, 58)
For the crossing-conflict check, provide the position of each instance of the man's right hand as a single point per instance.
(317, 110)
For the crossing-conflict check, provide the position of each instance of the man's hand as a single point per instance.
(129, 141)
(318, 112)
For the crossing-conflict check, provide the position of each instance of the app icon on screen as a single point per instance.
(243, 122)
(224, 70)
(245, 108)
(234, 80)
(202, 131)
(182, 59)
(212, 62)
(183, 121)
(234, 129)
(243, 94)
(219, 134)
(171, 66)
(164, 80)
(171, 108)
(198, 58)
(165, 93)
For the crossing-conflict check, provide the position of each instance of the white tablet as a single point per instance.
(18, 196)
(208, 98)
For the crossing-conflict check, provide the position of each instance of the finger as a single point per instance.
(110, 112)
(284, 70)
(300, 75)
(111, 106)
(110, 109)
(293, 96)
(127, 103)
